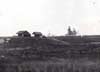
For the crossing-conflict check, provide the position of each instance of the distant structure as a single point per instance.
(23, 34)
(74, 32)
(71, 32)
(37, 34)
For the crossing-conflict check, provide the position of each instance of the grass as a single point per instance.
(20, 56)
(58, 65)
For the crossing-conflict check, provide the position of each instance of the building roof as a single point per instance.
(22, 32)
(39, 33)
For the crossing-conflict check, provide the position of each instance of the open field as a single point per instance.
(55, 54)
(54, 65)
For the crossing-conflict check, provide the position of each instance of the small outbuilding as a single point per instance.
(37, 34)
(23, 34)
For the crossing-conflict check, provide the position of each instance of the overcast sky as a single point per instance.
(49, 16)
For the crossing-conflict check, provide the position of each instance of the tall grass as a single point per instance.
(59, 65)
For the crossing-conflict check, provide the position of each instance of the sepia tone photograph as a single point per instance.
(49, 35)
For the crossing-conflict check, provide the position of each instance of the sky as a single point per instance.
(49, 16)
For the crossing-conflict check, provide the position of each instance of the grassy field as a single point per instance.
(55, 65)
(60, 54)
